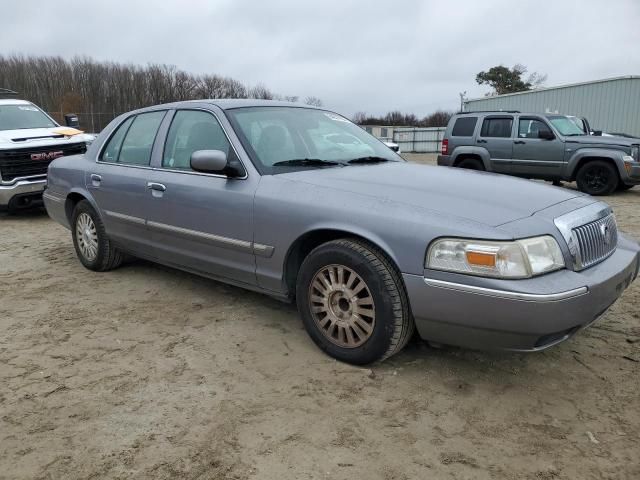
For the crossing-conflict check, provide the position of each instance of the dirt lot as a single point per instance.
(147, 372)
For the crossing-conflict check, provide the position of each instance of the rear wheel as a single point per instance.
(598, 177)
(93, 247)
(471, 164)
(353, 303)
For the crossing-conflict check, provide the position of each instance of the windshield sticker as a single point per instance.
(336, 118)
(29, 109)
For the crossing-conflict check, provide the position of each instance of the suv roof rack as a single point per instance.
(6, 93)
(490, 111)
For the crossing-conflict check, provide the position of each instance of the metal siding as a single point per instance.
(422, 140)
(611, 106)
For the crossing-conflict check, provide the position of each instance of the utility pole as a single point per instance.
(462, 99)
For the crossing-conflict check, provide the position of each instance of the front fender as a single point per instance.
(574, 162)
(483, 153)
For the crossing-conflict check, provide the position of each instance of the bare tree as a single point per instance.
(313, 101)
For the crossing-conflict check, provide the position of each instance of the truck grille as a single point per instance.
(596, 241)
(31, 162)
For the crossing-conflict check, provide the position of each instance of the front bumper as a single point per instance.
(521, 315)
(22, 193)
(631, 174)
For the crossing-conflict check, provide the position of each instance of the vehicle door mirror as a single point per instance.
(546, 134)
(208, 161)
(71, 120)
(597, 133)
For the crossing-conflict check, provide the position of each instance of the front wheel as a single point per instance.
(93, 247)
(597, 177)
(353, 303)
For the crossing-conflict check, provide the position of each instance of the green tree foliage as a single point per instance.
(509, 80)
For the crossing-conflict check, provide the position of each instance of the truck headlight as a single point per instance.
(515, 259)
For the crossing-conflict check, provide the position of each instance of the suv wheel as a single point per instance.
(471, 164)
(93, 248)
(353, 303)
(598, 177)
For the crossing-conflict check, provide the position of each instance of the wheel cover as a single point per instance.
(342, 306)
(597, 178)
(87, 236)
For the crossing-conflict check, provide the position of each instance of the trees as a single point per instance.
(509, 80)
(439, 118)
(313, 101)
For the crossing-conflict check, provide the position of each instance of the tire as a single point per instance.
(353, 323)
(598, 177)
(623, 186)
(93, 247)
(471, 164)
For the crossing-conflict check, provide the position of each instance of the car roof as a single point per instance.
(11, 101)
(231, 103)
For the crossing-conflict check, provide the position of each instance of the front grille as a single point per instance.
(596, 241)
(20, 163)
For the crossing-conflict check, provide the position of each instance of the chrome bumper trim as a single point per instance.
(527, 297)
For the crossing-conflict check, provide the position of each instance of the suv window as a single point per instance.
(190, 131)
(496, 127)
(529, 127)
(464, 127)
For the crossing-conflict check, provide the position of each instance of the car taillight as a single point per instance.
(445, 146)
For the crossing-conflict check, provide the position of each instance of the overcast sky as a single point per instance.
(372, 56)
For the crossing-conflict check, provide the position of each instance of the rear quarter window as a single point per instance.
(464, 127)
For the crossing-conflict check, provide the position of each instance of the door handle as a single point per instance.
(482, 141)
(519, 142)
(158, 187)
(95, 180)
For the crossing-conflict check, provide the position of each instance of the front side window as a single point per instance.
(18, 117)
(276, 137)
(496, 127)
(190, 131)
(530, 128)
(464, 127)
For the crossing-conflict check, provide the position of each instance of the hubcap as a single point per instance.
(342, 306)
(87, 236)
(597, 178)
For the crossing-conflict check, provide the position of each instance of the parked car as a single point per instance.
(248, 192)
(29, 140)
(549, 147)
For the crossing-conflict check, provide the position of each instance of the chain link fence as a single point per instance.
(90, 122)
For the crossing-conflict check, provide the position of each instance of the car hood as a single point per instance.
(487, 198)
(41, 137)
(601, 140)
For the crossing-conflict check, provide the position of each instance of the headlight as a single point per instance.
(518, 259)
(635, 152)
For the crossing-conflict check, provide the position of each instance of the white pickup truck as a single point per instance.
(29, 140)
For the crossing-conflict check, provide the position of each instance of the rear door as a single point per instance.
(201, 221)
(536, 157)
(118, 180)
(496, 135)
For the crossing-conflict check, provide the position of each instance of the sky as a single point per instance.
(369, 56)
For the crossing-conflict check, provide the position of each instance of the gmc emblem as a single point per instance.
(46, 155)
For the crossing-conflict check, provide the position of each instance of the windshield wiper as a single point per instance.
(369, 160)
(306, 162)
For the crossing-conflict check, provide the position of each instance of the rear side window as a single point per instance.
(497, 127)
(133, 141)
(464, 127)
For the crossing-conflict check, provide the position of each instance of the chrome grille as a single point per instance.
(595, 240)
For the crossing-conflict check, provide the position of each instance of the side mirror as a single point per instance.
(597, 133)
(71, 120)
(546, 135)
(209, 161)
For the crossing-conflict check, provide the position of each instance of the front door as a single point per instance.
(496, 136)
(536, 157)
(118, 181)
(202, 222)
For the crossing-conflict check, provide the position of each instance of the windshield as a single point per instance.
(16, 117)
(282, 138)
(565, 125)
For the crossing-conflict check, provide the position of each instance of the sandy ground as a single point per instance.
(147, 372)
